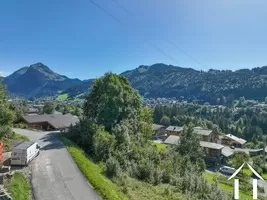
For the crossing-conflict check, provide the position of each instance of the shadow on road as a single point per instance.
(51, 142)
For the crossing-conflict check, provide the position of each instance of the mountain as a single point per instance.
(160, 80)
(37, 80)
(79, 88)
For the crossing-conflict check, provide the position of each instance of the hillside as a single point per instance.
(37, 80)
(79, 88)
(160, 80)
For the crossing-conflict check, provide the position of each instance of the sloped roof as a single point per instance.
(175, 128)
(55, 120)
(156, 127)
(237, 139)
(172, 139)
(201, 131)
(211, 145)
(227, 152)
(32, 110)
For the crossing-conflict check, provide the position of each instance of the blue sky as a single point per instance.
(75, 38)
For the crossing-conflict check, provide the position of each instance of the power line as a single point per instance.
(123, 7)
(122, 24)
(186, 53)
(176, 46)
(108, 13)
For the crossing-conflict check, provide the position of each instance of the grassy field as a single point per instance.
(160, 146)
(248, 172)
(62, 97)
(93, 173)
(18, 187)
(9, 141)
(245, 195)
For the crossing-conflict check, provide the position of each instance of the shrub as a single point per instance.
(112, 168)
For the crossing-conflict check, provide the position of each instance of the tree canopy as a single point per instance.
(111, 99)
(6, 114)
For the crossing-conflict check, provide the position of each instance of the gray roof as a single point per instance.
(31, 110)
(24, 145)
(227, 152)
(211, 145)
(175, 128)
(172, 139)
(237, 139)
(156, 127)
(201, 131)
(55, 120)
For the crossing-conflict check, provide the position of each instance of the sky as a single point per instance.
(78, 39)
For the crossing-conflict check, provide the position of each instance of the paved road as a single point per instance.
(55, 176)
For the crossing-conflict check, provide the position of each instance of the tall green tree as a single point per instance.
(6, 114)
(49, 107)
(165, 120)
(189, 148)
(110, 100)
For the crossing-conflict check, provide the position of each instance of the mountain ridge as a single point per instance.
(158, 80)
(37, 80)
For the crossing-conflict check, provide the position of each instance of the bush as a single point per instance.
(112, 168)
(21, 125)
(102, 142)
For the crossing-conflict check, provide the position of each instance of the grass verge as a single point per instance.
(18, 186)
(11, 140)
(93, 173)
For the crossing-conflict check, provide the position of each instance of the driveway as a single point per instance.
(55, 176)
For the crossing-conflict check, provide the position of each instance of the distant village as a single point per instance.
(217, 148)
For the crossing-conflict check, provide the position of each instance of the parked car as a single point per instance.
(232, 147)
(227, 170)
(24, 153)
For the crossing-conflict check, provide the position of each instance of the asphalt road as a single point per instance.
(55, 176)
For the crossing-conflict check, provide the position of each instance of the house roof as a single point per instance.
(201, 131)
(172, 139)
(227, 152)
(237, 139)
(175, 128)
(32, 110)
(156, 127)
(211, 145)
(55, 120)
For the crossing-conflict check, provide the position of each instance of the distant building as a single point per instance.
(50, 122)
(172, 140)
(32, 111)
(174, 130)
(213, 151)
(231, 140)
(158, 131)
(205, 135)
